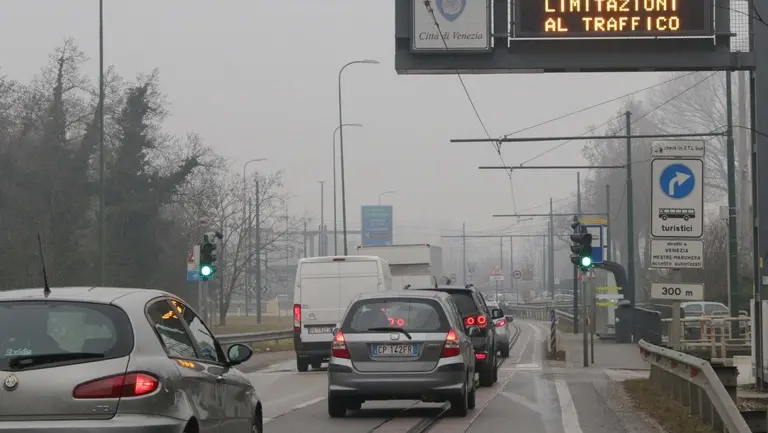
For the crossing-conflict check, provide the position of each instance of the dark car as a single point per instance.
(475, 312)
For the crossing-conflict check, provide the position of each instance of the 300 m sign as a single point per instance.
(677, 292)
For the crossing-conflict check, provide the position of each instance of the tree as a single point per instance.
(217, 197)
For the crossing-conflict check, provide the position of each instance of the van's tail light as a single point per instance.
(339, 347)
(481, 356)
(501, 323)
(297, 318)
(480, 321)
(451, 345)
(121, 385)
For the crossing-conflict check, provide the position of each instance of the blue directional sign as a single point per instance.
(677, 181)
(598, 244)
(376, 225)
(193, 275)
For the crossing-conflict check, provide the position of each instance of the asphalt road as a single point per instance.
(531, 395)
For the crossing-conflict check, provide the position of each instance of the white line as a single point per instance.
(567, 409)
(308, 403)
(295, 408)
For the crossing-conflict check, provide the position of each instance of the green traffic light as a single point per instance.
(206, 271)
(586, 262)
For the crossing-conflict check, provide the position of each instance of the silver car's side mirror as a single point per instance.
(473, 331)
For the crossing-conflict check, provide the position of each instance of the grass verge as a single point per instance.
(272, 346)
(242, 324)
(669, 413)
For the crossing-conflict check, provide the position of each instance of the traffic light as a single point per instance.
(581, 247)
(207, 258)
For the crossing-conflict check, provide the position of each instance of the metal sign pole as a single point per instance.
(584, 319)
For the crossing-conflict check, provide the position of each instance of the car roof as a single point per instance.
(105, 295)
(407, 294)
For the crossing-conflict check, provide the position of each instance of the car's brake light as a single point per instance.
(121, 385)
(451, 346)
(339, 347)
(480, 356)
(501, 323)
(297, 318)
(482, 321)
(469, 321)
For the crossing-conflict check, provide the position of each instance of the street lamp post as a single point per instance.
(341, 151)
(321, 238)
(102, 181)
(385, 193)
(247, 215)
(335, 207)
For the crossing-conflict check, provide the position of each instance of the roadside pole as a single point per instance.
(584, 318)
(593, 320)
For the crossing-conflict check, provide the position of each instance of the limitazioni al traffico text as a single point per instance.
(612, 16)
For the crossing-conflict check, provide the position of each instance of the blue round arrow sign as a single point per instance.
(677, 181)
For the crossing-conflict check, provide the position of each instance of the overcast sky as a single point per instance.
(258, 79)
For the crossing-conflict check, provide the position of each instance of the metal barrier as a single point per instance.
(254, 337)
(695, 383)
(711, 336)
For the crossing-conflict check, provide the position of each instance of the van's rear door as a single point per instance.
(319, 300)
(356, 277)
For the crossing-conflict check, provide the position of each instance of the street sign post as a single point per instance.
(677, 199)
(516, 274)
(598, 242)
(193, 264)
(677, 291)
(677, 253)
(497, 274)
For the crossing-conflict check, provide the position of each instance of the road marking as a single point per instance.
(295, 408)
(567, 409)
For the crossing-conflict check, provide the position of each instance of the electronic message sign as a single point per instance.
(594, 19)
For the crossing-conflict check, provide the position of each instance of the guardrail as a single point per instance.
(254, 337)
(695, 383)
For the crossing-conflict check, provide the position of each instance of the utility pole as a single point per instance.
(501, 265)
(576, 285)
(544, 276)
(321, 238)
(608, 219)
(733, 246)
(551, 249)
(305, 239)
(631, 296)
(249, 249)
(464, 251)
(257, 221)
(512, 265)
(102, 157)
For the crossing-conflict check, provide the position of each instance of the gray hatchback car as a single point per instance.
(107, 360)
(408, 345)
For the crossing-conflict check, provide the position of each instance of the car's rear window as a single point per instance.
(58, 327)
(465, 301)
(413, 315)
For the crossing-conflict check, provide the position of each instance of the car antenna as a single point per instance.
(46, 287)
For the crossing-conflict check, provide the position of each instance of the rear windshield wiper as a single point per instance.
(393, 329)
(25, 361)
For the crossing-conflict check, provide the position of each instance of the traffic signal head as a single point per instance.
(207, 258)
(581, 247)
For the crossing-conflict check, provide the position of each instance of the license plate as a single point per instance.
(394, 350)
(320, 329)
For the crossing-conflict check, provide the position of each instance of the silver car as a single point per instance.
(502, 336)
(408, 345)
(93, 359)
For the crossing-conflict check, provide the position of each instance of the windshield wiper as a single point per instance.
(393, 329)
(25, 361)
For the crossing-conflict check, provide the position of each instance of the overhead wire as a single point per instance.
(497, 145)
(634, 120)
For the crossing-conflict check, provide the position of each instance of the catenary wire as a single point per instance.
(497, 145)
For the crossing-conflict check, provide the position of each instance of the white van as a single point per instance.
(324, 288)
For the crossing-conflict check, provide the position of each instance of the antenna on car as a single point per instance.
(46, 287)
